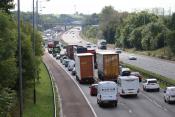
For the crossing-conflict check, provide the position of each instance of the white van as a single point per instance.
(107, 92)
(128, 85)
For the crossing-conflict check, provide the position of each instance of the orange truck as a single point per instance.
(107, 65)
(84, 66)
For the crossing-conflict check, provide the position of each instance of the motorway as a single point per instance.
(147, 104)
(163, 67)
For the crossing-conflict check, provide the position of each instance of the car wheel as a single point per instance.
(115, 104)
(165, 99)
(158, 89)
(168, 100)
(97, 101)
(143, 88)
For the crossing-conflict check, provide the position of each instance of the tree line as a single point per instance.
(140, 30)
(9, 64)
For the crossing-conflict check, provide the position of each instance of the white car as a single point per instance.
(118, 50)
(132, 57)
(169, 94)
(151, 84)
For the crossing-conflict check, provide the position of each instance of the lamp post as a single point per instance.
(33, 47)
(20, 64)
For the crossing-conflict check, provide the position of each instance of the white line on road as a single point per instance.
(154, 102)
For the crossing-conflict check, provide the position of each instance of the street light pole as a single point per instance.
(20, 63)
(33, 47)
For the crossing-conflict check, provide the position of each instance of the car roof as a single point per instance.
(126, 69)
(128, 77)
(94, 84)
(135, 73)
(151, 79)
(106, 52)
(85, 54)
(171, 87)
(106, 82)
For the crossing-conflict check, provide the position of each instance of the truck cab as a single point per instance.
(107, 92)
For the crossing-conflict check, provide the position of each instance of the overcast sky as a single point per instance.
(94, 6)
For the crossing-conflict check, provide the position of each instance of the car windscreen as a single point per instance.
(103, 43)
(152, 81)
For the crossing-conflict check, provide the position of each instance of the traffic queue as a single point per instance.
(111, 79)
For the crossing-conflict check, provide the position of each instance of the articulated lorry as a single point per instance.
(107, 65)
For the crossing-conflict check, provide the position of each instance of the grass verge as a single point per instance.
(164, 81)
(44, 97)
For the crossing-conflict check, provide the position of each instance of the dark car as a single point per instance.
(93, 89)
(138, 75)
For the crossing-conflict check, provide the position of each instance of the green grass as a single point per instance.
(44, 101)
(164, 81)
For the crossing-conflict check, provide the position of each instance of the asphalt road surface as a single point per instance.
(147, 104)
(159, 66)
(73, 102)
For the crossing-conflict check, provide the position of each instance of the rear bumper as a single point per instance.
(109, 101)
(152, 88)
